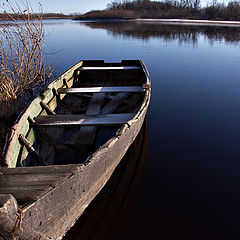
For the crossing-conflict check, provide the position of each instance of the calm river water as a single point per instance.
(191, 185)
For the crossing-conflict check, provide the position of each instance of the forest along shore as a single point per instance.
(175, 9)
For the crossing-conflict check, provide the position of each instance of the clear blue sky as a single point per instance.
(82, 6)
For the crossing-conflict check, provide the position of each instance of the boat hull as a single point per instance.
(55, 212)
(92, 176)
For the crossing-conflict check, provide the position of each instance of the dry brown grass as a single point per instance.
(22, 69)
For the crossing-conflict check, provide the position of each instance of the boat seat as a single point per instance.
(110, 68)
(83, 120)
(101, 89)
(30, 183)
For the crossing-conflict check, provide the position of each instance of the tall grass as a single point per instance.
(22, 65)
(23, 68)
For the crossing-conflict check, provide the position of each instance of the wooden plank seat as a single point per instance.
(86, 134)
(110, 68)
(30, 183)
(61, 169)
(101, 89)
(83, 120)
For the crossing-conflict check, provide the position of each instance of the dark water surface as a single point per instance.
(191, 188)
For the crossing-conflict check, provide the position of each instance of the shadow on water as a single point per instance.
(107, 217)
(182, 33)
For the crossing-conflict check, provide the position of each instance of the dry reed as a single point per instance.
(23, 69)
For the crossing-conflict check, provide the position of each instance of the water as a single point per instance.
(191, 188)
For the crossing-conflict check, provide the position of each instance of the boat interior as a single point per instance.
(86, 109)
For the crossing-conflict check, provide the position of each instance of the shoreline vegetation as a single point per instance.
(24, 66)
(168, 9)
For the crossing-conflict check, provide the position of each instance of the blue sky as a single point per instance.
(71, 6)
(78, 6)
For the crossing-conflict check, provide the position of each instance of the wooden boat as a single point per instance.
(65, 146)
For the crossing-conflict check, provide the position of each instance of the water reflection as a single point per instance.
(108, 215)
(182, 33)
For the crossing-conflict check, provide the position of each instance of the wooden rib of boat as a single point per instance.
(65, 146)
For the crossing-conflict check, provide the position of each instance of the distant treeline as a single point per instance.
(191, 9)
(8, 16)
(58, 15)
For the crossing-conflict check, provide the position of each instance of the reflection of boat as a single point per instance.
(109, 101)
(107, 216)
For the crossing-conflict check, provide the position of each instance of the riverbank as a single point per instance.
(44, 16)
(169, 21)
(190, 21)
(134, 9)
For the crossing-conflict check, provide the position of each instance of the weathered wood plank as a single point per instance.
(96, 103)
(30, 149)
(101, 89)
(25, 187)
(110, 68)
(31, 179)
(31, 138)
(26, 193)
(53, 103)
(47, 108)
(114, 103)
(39, 169)
(86, 134)
(106, 83)
(85, 120)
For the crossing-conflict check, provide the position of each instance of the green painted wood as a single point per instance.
(24, 154)
(34, 109)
